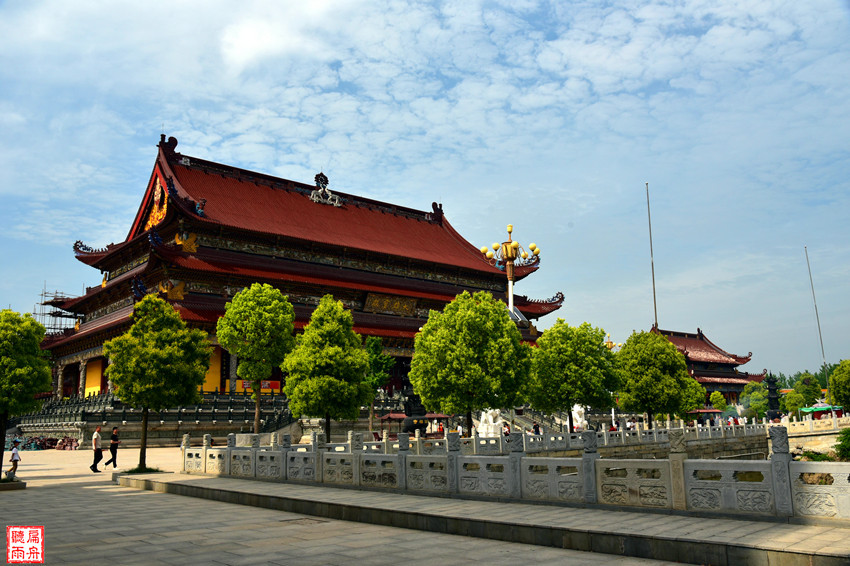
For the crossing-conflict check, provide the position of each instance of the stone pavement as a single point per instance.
(90, 520)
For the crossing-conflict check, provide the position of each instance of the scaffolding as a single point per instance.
(54, 319)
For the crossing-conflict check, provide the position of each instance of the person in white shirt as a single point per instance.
(16, 457)
(98, 450)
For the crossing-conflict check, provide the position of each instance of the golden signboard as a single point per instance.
(390, 304)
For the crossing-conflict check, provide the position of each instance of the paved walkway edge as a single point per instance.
(693, 551)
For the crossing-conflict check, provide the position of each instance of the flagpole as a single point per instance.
(652, 257)
(817, 318)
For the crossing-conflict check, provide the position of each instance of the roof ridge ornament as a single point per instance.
(322, 195)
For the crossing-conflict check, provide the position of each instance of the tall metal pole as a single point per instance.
(817, 318)
(651, 257)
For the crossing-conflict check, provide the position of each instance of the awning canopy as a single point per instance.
(822, 408)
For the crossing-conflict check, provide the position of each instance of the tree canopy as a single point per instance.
(469, 357)
(809, 387)
(24, 370)
(572, 366)
(158, 363)
(257, 328)
(718, 401)
(655, 377)
(327, 369)
(793, 401)
(839, 384)
(754, 397)
(380, 365)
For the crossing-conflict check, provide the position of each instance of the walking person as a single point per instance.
(16, 457)
(96, 447)
(113, 448)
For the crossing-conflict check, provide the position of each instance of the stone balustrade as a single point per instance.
(774, 488)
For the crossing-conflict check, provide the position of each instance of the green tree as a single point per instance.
(380, 365)
(718, 401)
(24, 370)
(754, 397)
(839, 384)
(469, 357)
(257, 328)
(327, 369)
(655, 376)
(808, 386)
(572, 366)
(793, 401)
(158, 363)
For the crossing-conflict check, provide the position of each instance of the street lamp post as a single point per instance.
(504, 255)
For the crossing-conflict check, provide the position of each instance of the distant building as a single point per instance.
(713, 367)
(204, 231)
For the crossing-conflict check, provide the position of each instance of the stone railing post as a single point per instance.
(355, 443)
(319, 446)
(283, 443)
(588, 465)
(184, 444)
(514, 476)
(780, 459)
(403, 453)
(349, 448)
(474, 439)
(386, 441)
(452, 453)
(678, 455)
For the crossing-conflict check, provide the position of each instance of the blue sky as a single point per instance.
(549, 116)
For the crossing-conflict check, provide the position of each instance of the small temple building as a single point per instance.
(204, 231)
(713, 367)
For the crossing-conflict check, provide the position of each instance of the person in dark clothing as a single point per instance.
(113, 448)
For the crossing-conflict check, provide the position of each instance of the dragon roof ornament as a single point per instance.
(322, 194)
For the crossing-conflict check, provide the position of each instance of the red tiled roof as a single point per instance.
(251, 201)
(698, 348)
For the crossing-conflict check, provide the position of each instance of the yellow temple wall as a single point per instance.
(94, 375)
(213, 378)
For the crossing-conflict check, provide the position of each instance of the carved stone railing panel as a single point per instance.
(427, 473)
(641, 483)
(484, 475)
(340, 468)
(302, 466)
(216, 461)
(820, 489)
(270, 464)
(242, 462)
(552, 479)
(193, 461)
(740, 486)
(379, 470)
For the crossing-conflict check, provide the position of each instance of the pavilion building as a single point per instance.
(204, 231)
(713, 367)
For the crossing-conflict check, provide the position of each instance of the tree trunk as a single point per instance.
(570, 419)
(649, 420)
(327, 427)
(4, 420)
(257, 408)
(144, 439)
(468, 430)
(371, 415)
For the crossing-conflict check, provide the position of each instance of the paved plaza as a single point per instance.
(90, 520)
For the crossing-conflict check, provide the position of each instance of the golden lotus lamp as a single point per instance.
(507, 253)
